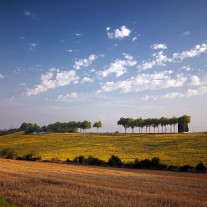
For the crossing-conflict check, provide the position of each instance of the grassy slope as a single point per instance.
(172, 149)
(4, 203)
(54, 185)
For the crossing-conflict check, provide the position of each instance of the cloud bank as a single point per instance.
(53, 78)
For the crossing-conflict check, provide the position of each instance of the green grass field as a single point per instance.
(172, 149)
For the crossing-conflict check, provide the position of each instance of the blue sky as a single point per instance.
(101, 60)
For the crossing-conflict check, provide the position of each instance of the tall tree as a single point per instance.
(123, 122)
(155, 123)
(32, 128)
(131, 123)
(174, 121)
(138, 123)
(149, 123)
(97, 125)
(163, 122)
(145, 124)
(183, 122)
(86, 125)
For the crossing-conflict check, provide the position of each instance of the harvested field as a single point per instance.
(50, 184)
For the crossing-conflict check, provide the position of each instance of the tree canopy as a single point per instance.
(97, 125)
(164, 122)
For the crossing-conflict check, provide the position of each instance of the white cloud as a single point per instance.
(85, 62)
(52, 79)
(1, 77)
(186, 68)
(29, 14)
(120, 33)
(200, 91)
(172, 95)
(198, 81)
(159, 59)
(92, 70)
(196, 51)
(119, 67)
(67, 97)
(144, 82)
(134, 39)
(158, 46)
(77, 34)
(70, 50)
(147, 97)
(87, 79)
(195, 80)
(32, 46)
(186, 33)
(197, 92)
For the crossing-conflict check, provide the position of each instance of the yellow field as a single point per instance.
(59, 185)
(172, 149)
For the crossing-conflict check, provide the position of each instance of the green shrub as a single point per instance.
(200, 167)
(186, 168)
(55, 159)
(29, 157)
(146, 164)
(94, 161)
(115, 161)
(173, 168)
(80, 159)
(8, 153)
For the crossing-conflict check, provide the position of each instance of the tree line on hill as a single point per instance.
(59, 127)
(141, 123)
(73, 126)
(9, 131)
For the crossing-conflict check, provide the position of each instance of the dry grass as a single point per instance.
(48, 184)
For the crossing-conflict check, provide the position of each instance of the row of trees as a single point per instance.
(140, 123)
(71, 126)
(162, 122)
(8, 131)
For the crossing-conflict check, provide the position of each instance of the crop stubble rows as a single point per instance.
(49, 184)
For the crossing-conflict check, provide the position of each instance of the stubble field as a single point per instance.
(49, 184)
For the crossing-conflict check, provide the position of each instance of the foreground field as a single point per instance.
(48, 184)
(172, 149)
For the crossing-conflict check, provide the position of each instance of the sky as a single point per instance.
(101, 60)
